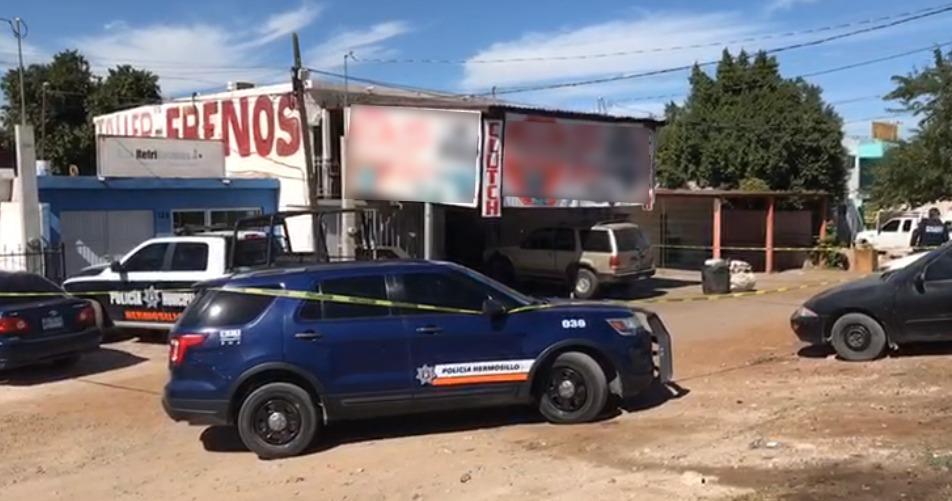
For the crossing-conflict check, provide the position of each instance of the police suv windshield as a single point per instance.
(517, 296)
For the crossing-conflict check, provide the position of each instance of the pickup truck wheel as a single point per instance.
(574, 390)
(586, 283)
(278, 420)
(858, 337)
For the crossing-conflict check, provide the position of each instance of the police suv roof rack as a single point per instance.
(195, 229)
(613, 221)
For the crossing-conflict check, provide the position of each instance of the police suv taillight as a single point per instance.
(627, 326)
(179, 346)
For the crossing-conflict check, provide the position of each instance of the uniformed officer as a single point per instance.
(931, 231)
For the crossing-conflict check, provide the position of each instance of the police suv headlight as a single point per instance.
(804, 312)
(627, 326)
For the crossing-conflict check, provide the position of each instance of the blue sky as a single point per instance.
(197, 46)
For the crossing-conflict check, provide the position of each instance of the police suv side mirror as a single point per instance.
(493, 308)
(116, 266)
(919, 281)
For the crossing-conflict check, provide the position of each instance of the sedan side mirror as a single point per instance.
(493, 308)
(116, 266)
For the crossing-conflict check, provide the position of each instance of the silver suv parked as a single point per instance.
(586, 259)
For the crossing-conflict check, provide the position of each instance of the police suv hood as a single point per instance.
(866, 292)
(561, 304)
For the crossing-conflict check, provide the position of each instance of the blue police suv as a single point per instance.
(281, 353)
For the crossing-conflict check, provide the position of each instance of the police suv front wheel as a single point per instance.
(278, 420)
(573, 390)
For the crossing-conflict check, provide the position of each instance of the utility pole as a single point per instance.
(347, 220)
(297, 84)
(20, 30)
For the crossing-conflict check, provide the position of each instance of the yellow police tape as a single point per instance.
(776, 249)
(339, 298)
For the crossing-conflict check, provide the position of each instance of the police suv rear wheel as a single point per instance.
(858, 337)
(278, 420)
(574, 390)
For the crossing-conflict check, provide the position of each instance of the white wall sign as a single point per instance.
(159, 157)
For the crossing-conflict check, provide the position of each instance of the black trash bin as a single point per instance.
(716, 277)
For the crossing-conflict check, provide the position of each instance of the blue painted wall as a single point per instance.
(162, 196)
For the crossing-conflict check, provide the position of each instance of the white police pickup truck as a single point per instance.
(150, 286)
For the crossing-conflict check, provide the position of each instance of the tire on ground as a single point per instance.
(291, 394)
(858, 337)
(595, 388)
(585, 283)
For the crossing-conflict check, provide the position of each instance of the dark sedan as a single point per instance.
(862, 319)
(41, 323)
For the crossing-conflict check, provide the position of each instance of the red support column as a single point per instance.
(717, 228)
(769, 268)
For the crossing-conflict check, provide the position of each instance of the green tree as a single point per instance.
(65, 134)
(124, 87)
(919, 171)
(747, 122)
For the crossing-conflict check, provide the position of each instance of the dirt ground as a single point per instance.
(753, 417)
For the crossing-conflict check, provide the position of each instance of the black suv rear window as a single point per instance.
(218, 308)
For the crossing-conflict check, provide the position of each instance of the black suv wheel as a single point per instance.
(574, 389)
(278, 420)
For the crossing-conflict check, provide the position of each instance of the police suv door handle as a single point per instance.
(308, 335)
(429, 329)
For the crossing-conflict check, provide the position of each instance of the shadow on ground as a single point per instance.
(641, 289)
(226, 438)
(907, 350)
(95, 362)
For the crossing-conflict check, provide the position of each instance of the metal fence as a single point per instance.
(46, 260)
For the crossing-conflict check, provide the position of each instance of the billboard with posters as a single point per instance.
(412, 154)
(159, 157)
(558, 162)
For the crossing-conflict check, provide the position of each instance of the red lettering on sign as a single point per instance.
(264, 139)
(146, 124)
(289, 124)
(171, 115)
(209, 109)
(492, 153)
(190, 122)
(236, 125)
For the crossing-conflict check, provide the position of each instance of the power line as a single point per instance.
(672, 48)
(786, 48)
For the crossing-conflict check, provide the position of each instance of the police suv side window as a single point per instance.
(940, 269)
(149, 258)
(370, 287)
(190, 256)
(448, 290)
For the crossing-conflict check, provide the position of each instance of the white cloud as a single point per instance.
(195, 56)
(647, 32)
(158, 47)
(365, 44)
(777, 5)
(284, 23)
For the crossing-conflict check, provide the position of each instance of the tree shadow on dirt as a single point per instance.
(226, 439)
(95, 362)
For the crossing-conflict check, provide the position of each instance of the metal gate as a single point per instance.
(94, 237)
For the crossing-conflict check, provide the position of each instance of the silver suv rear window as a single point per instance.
(630, 239)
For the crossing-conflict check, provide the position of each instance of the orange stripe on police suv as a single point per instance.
(488, 378)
